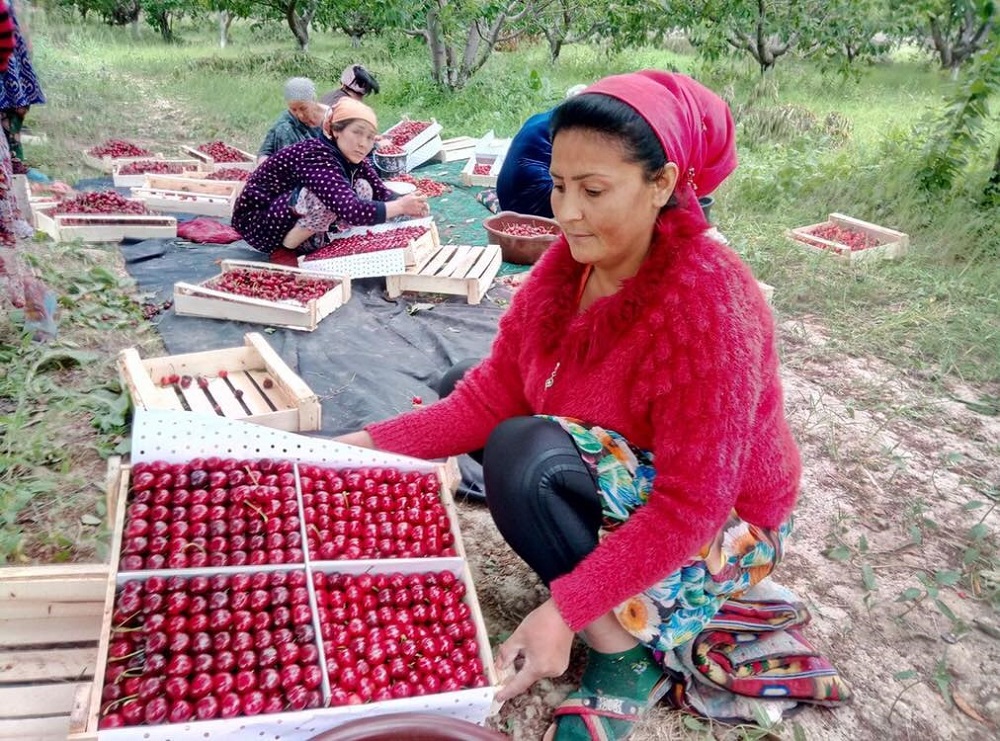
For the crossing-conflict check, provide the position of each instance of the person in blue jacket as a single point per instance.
(524, 184)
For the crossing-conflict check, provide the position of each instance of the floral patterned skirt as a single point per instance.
(676, 609)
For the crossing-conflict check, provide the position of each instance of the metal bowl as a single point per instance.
(390, 164)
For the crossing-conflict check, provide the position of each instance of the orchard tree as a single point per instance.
(461, 34)
(161, 14)
(570, 22)
(226, 11)
(954, 29)
(363, 17)
(298, 14)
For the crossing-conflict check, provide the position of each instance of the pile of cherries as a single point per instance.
(204, 647)
(368, 241)
(272, 285)
(100, 202)
(211, 512)
(222, 152)
(389, 636)
(424, 186)
(229, 173)
(854, 240)
(157, 167)
(482, 169)
(527, 230)
(389, 150)
(118, 149)
(373, 513)
(405, 131)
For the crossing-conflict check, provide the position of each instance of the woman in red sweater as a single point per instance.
(635, 449)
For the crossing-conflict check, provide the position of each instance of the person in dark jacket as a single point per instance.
(307, 189)
(302, 119)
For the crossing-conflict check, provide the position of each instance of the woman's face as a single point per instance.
(605, 205)
(309, 113)
(356, 140)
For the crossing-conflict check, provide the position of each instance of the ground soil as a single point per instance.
(883, 454)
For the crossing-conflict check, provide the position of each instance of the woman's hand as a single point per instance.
(412, 204)
(543, 642)
(361, 439)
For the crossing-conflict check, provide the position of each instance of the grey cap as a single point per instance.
(300, 88)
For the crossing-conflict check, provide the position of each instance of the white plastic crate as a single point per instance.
(381, 262)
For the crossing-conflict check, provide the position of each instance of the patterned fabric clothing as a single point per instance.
(676, 609)
(264, 213)
(8, 37)
(12, 223)
(20, 87)
(287, 130)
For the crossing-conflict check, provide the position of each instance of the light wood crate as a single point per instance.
(457, 148)
(457, 270)
(289, 404)
(102, 227)
(22, 194)
(249, 161)
(138, 179)
(474, 704)
(194, 182)
(108, 164)
(471, 180)
(186, 202)
(197, 299)
(894, 244)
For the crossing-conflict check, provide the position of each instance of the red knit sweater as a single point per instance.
(681, 361)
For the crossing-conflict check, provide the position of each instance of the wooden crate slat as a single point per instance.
(275, 395)
(202, 363)
(196, 399)
(73, 582)
(182, 184)
(252, 396)
(481, 283)
(54, 728)
(137, 179)
(440, 259)
(224, 397)
(27, 609)
(481, 266)
(292, 384)
(39, 665)
(74, 629)
(464, 260)
(142, 382)
(33, 700)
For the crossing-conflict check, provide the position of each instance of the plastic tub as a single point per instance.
(389, 164)
(517, 249)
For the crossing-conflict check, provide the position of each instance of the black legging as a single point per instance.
(542, 496)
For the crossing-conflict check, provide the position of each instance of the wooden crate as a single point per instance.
(108, 164)
(194, 182)
(102, 227)
(382, 262)
(893, 245)
(186, 202)
(249, 162)
(128, 181)
(471, 180)
(199, 300)
(289, 404)
(457, 148)
(768, 292)
(461, 271)
(22, 194)
(50, 625)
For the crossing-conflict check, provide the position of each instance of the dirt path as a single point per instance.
(891, 472)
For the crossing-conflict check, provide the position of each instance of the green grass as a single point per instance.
(935, 311)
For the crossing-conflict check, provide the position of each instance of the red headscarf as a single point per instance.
(694, 124)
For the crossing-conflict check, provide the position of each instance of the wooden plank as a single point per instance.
(481, 284)
(39, 665)
(72, 582)
(204, 363)
(34, 700)
(440, 259)
(140, 381)
(33, 632)
(36, 729)
(43, 609)
(251, 394)
(484, 262)
(196, 399)
(138, 179)
(224, 397)
(303, 398)
(191, 185)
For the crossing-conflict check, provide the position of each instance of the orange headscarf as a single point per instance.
(347, 109)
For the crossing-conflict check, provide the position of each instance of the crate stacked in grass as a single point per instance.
(375, 251)
(250, 383)
(851, 240)
(115, 152)
(101, 216)
(455, 149)
(218, 155)
(458, 270)
(268, 584)
(419, 140)
(177, 194)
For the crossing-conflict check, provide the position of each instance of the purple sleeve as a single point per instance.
(380, 192)
(328, 183)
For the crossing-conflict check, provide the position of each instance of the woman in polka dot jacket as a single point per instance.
(303, 191)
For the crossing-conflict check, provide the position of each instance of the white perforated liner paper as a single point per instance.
(369, 264)
(177, 436)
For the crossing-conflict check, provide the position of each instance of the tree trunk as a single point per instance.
(555, 46)
(225, 21)
(299, 26)
(163, 24)
(993, 187)
(435, 42)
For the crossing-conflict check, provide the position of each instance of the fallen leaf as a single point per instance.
(966, 708)
(414, 308)
(91, 520)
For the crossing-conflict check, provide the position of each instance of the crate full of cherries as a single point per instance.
(286, 596)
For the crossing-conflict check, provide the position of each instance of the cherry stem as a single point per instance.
(136, 672)
(137, 652)
(120, 701)
(256, 509)
(194, 545)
